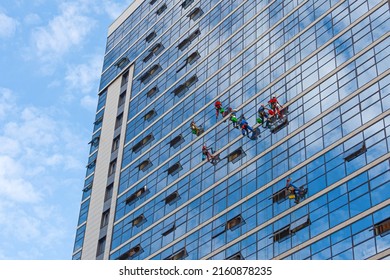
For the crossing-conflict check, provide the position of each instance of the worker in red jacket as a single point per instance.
(275, 106)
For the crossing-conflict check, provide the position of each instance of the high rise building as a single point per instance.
(149, 191)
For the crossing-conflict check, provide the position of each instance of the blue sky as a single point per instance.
(51, 58)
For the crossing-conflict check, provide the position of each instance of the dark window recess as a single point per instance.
(280, 195)
(157, 48)
(195, 13)
(299, 224)
(101, 246)
(149, 115)
(133, 252)
(179, 255)
(88, 187)
(145, 165)
(122, 99)
(161, 9)
(138, 194)
(137, 147)
(174, 169)
(152, 2)
(148, 57)
(95, 141)
(177, 141)
(186, 42)
(183, 44)
(382, 228)
(152, 92)
(183, 88)
(193, 57)
(189, 60)
(122, 62)
(151, 36)
(108, 193)
(234, 223)
(125, 78)
(236, 155)
(112, 167)
(91, 164)
(180, 90)
(115, 143)
(186, 3)
(138, 221)
(194, 34)
(282, 234)
(355, 151)
(119, 120)
(169, 229)
(172, 198)
(150, 73)
(191, 81)
(236, 256)
(105, 218)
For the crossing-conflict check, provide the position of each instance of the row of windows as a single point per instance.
(172, 76)
(290, 231)
(334, 167)
(297, 144)
(216, 36)
(140, 19)
(294, 155)
(135, 50)
(129, 49)
(94, 145)
(201, 92)
(307, 112)
(360, 240)
(298, 219)
(181, 27)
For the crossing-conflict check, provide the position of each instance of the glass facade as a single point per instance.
(327, 62)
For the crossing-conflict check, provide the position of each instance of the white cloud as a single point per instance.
(84, 77)
(114, 9)
(6, 102)
(65, 31)
(13, 186)
(7, 26)
(39, 154)
(89, 103)
(32, 128)
(38, 228)
(32, 19)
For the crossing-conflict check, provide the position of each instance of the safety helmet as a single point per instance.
(218, 103)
